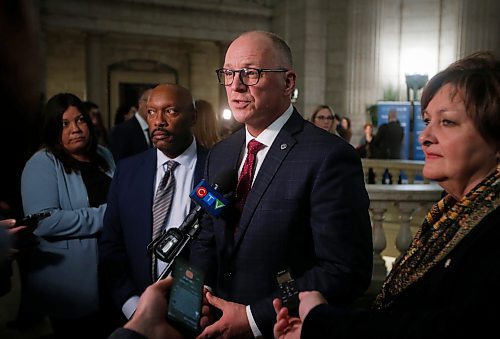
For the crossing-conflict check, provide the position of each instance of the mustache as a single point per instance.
(161, 130)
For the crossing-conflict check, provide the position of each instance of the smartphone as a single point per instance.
(31, 220)
(289, 292)
(186, 296)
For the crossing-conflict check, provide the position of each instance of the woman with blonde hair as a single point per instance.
(206, 128)
(324, 117)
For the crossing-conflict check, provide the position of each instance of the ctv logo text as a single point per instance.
(208, 198)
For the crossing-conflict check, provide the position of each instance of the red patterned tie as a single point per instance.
(246, 175)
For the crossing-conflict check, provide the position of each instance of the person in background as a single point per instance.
(388, 141)
(8, 229)
(123, 113)
(305, 209)
(127, 266)
(364, 147)
(446, 284)
(8, 250)
(207, 124)
(95, 115)
(69, 177)
(132, 136)
(344, 129)
(324, 117)
(21, 98)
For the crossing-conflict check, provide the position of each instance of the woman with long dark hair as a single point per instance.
(68, 177)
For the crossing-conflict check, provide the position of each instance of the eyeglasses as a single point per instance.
(248, 76)
(324, 118)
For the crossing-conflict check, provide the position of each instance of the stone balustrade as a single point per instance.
(410, 171)
(402, 201)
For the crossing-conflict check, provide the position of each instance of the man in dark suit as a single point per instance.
(125, 263)
(306, 211)
(131, 136)
(386, 143)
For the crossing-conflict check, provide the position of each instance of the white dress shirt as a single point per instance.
(181, 203)
(266, 137)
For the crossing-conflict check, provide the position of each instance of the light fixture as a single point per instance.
(415, 82)
(295, 95)
(227, 114)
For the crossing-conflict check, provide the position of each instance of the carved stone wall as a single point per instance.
(83, 38)
(347, 53)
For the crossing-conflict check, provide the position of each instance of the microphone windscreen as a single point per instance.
(226, 180)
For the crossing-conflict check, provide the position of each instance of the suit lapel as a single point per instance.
(236, 149)
(231, 150)
(145, 176)
(139, 133)
(199, 170)
(279, 150)
(201, 156)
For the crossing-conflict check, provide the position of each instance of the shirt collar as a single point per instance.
(268, 135)
(187, 158)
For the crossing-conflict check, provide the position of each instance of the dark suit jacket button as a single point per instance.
(228, 275)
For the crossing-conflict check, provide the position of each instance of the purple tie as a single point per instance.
(246, 176)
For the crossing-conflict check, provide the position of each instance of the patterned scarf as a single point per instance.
(446, 224)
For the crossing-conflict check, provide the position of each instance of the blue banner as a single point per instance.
(418, 127)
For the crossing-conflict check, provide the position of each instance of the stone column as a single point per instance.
(314, 58)
(197, 62)
(93, 71)
(479, 26)
(302, 23)
(362, 83)
(41, 61)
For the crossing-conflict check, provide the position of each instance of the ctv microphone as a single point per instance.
(208, 199)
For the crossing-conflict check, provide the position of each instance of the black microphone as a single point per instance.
(208, 200)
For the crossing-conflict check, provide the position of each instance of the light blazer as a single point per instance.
(307, 211)
(124, 260)
(62, 278)
(127, 139)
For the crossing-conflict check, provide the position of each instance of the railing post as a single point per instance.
(378, 209)
(406, 198)
(379, 174)
(404, 237)
(411, 176)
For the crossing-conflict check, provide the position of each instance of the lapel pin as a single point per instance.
(447, 263)
(283, 146)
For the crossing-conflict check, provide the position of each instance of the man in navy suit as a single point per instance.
(125, 263)
(131, 136)
(387, 143)
(306, 211)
